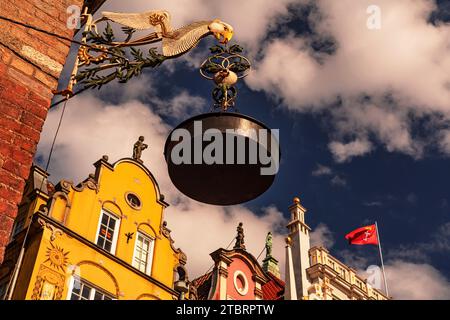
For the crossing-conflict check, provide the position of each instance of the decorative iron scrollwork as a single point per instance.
(125, 62)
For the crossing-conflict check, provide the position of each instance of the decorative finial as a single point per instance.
(269, 245)
(288, 241)
(296, 200)
(240, 237)
(105, 158)
(139, 146)
(225, 67)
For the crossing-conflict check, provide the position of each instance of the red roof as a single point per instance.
(203, 285)
(273, 289)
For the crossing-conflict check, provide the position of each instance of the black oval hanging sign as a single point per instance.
(223, 158)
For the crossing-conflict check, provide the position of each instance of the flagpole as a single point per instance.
(382, 263)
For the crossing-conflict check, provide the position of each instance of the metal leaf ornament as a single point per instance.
(115, 58)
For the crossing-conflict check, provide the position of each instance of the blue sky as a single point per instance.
(364, 128)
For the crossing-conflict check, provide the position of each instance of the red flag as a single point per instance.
(363, 235)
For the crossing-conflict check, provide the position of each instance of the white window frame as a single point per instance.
(84, 282)
(244, 290)
(116, 230)
(148, 269)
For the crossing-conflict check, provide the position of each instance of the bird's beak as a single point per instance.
(227, 35)
(224, 36)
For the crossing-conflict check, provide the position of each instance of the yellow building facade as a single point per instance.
(102, 239)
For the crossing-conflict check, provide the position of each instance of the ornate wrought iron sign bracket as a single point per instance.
(103, 57)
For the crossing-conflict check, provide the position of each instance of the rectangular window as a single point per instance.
(107, 232)
(143, 253)
(81, 290)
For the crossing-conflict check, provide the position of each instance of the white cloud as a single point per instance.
(338, 181)
(410, 281)
(322, 236)
(439, 243)
(343, 152)
(200, 229)
(376, 83)
(373, 204)
(444, 142)
(322, 170)
(408, 253)
(390, 126)
(92, 128)
(353, 259)
(411, 198)
(181, 106)
(139, 88)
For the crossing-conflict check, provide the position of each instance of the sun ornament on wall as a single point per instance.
(56, 257)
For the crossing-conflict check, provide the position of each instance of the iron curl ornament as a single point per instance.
(225, 67)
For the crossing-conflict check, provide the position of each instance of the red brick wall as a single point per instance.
(30, 65)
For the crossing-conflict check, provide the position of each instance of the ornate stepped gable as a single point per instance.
(237, 275)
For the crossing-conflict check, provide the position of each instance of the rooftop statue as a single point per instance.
(138, 147)
(269, 244)
(240, 244)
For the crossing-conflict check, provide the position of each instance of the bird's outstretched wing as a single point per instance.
(141, 21)
(185, 38)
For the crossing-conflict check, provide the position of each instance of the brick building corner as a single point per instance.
(30, 65)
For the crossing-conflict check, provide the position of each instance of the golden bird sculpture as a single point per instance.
(174, 42)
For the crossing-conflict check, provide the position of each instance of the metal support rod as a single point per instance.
(16, 273)
(382, 263)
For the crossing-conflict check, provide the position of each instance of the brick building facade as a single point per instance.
(30, 65)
